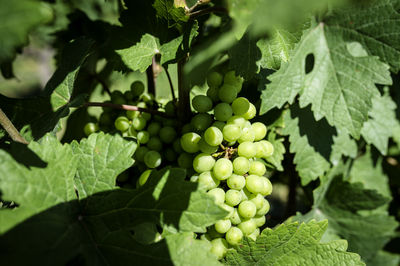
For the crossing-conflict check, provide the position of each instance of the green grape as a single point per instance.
(167, 134)
(237, 120)
(190, 142)
(247, 226)
(147, 97)
(258, 200)
(223, 169)
(219, 124)
(260, 130)
(233, 197)
(152, 159)
(170, 155)
(204, 147)
(201, 121)
(213, 136)
(229, 209)
(146, 116)
(264, 209)
(214, 79)
(251, 113)
(267, 187)
(212, 233)
(143, 137)
(259, 220)
(268, 148)
(254, 184)
(231, 132)
(218, 194)
(128, 95)
(213, 94)
(194, 178)
(232, 79)
(245, 194)
(240, 106)
(236, 181)
(185, 160)
(117, 97)
(105, 119)
(203, 162)
(132, 114)
(186, 128)
(122, 123)
(241, 165)
(132, 132)
(222, 226)
(234, 236)
(235, 218)
(154, 128)
(141, 105)
(222, 112)
(177, 146)
(137, 88)
(219, 247)
(90, 128)
(247, 149)
(140, 153)
(208, 181)
(202, 103)
(247, 209)
(227, 93)
(154, 143)
(139, 123)
(247, 135)
(170, 108)
(257, 168)
(144, 177)
(255, 234)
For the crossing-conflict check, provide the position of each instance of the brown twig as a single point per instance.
(184, 93)
(10, 128)
(170, 84)
(213, 9)
(151, 78)
(127, 108)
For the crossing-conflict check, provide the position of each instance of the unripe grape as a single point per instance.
(140, 153)
(222, 169)
(154, 128)
(258, 200)
(268, 148)
(105, 119)
(185, 160)
(255, 234)
(247, 149)
(177, 146)
(144, 177)
(146, 116)
(247, 209)
(267, 187)
(246, 135)
(233, 197)
(247, 227)
(259, 220)
(194, 178)
(132, 114)
(218, 194)
(240, 106)
(214, 79)
(201, 122)
(227, 93)
(154, 143)
(219, 247)
(245, 194)
(186, 128)
(167, 134)
(143, 137)
(232, 79)
(122, 123)
(128, 95)
(170, 155)
(190, 142)
(231, 132)
(117, 97)
(152, 159)
(213, 94)
(203, 162)
(234, 236)
(237, 120)
(91, 128)
(148, 97)
(205, 148)
(132, 132)
(236, 182)
(235, 218)
(241, 165)
(254, 184)
(251, 113)
(229, 209)
(170, 108)
(257, 168)
(208, 181)
(260, 130)
(222, 226)
(219, 124)
(137, 88)
(264, 209)
(222, 111)
(202, 103)
(213, 136)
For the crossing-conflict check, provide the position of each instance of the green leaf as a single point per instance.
(379, 128)
(293, 244)
(343, 99)
(279, 150)
(374, 25)
(101, 158)
(354, 213)
(41, 184)
(167, 10)
(17, 19)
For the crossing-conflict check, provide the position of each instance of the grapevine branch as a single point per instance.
(214, 9)
(127, 108)
(184, 93)
(10, 128)
(170, 84)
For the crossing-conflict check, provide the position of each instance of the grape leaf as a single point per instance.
(293, 244)
(343, 99)
(17, 19)
(167, 10)
(379, 128)
(374, 25)
(352, 214)
(100, 159)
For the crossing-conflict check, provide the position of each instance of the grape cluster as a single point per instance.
(228, 150)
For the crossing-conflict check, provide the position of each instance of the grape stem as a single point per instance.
(151, 77)
(205, 11)
(127, 108)
(197, 4)
(10, 128)
(170, 84)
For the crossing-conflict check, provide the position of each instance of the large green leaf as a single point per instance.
(343, 99)
(293, 244)
(167, 10)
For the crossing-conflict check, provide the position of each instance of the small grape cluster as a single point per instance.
(228, 161)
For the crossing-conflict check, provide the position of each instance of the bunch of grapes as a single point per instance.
(228, 150)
